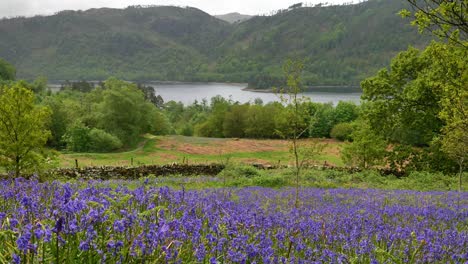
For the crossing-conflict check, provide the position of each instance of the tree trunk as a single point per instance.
(17, 167)
(460, 175)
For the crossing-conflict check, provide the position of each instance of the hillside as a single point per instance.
(342, 44)
(234, 17)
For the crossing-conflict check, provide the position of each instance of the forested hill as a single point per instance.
(342, 44)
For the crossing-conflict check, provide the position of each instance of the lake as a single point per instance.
(188, 93)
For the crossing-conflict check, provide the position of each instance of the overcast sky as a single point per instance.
(11, 8)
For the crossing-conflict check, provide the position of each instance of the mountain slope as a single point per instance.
(342, 44)
(134, 43)
(234, 17)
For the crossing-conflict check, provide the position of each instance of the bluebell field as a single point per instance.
(96, 222)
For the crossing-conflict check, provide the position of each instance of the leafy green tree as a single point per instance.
(214, 125)
(77, 138)
(455, 145)
(445, 19)
(367, 148)
(7, 71)
(59, 120)
(322, 121)
(404, 104)
(158, 123)
(235, 121)
(124, 111)
(455, 112)
(261, 120)
(345, 112)
(342, 131)
(23, 129)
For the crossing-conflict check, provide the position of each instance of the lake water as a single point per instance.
(188, 93)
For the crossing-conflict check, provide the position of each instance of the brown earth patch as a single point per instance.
(224, 146)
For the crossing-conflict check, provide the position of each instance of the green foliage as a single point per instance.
(23, 129)
(124, 111)
(110, 115)
(214, 125)
(270, 181)
(101, 141)
(404, 105)
(422, 98)
(345, 112)
(342, 131)
(239, 171)
(323, 121)
(235, 121)
(445, 19)
(7, 71)
(59, 121)
(367, 148)
(77, 138)
(261, 120)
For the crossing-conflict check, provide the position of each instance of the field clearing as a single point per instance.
(180, 149)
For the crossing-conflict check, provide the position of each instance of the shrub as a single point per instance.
(80, 138)
(77, 138)
(101, 141)
(240, 171)
(342, 131)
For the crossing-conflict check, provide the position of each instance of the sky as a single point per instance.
(12, 8)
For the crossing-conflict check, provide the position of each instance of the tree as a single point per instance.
(404, 102)
(455, 113)
(455, 145)
(124, 112)
(345, 112)
(7, 71)
(23, 131)
(342, 131)
(59, 120)
(260, 121)
(367, 148)
(322, 121)
(214, 125)
(445, 19)
(235, 121)
(295, 119)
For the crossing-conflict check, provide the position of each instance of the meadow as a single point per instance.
(106, 222)
(168, 149)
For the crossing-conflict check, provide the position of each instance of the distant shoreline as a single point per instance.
(243, 86)
(319, 89)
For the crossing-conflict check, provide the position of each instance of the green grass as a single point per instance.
(246, 176)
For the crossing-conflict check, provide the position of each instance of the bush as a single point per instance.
(240, 171)
(342, 131)
(77, 138)
(270, 181)
(101, 141)
(80, 138)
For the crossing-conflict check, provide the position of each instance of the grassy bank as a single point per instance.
(238, 176)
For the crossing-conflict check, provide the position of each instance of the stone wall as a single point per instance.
(105, 173)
